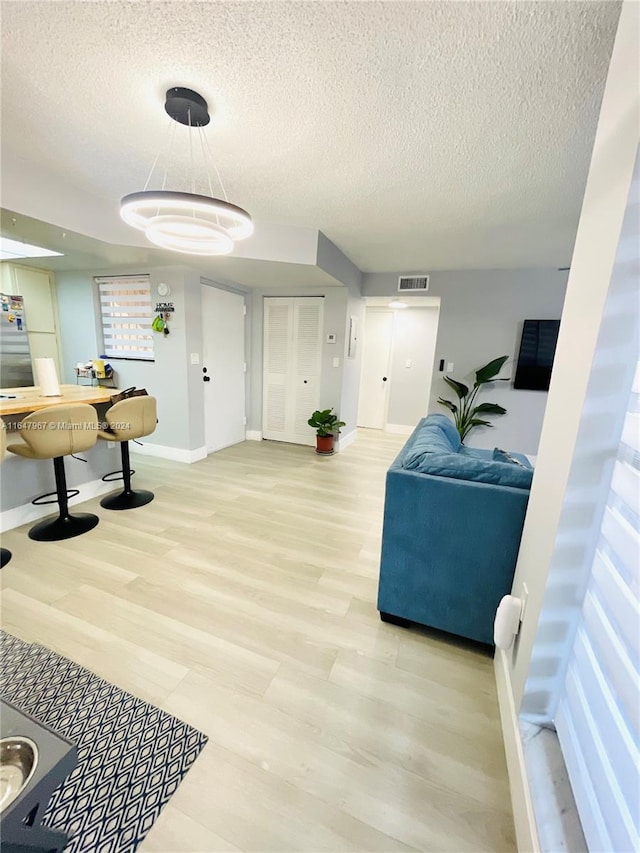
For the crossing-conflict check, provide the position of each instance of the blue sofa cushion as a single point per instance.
(492, 455)
(434, 434)
(466, 467)
(448, 428)
(477, 453)
(435, 448)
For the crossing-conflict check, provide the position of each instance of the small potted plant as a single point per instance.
(327, 426)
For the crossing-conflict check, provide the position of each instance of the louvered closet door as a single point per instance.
(278, 343)
(292, 367)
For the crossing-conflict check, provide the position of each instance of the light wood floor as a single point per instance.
(242, 600)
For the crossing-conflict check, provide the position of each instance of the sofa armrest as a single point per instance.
(449, 550)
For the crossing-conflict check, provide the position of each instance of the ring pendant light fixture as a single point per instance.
(187, 222)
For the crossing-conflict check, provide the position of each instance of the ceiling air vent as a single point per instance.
(413, 282)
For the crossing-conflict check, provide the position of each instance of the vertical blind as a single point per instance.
(126, 311)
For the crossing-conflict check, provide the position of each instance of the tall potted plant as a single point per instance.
(327, 426)
(465, 413)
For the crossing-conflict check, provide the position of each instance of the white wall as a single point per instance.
(481, 314)
(352, 367)
(334, 262)
(597, 240)
(171, 377)
(79, 320)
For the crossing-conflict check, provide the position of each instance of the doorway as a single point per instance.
(223, 367)
(397, 369)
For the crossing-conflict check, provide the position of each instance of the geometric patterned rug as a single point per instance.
(110, 801)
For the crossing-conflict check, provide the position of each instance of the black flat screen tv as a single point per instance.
(535, 359)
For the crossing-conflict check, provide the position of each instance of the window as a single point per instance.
(126, 312)
(598, 718)
(584, 677)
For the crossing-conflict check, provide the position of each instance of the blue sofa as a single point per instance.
(453, 519)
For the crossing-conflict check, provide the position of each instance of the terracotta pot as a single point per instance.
(324, 444)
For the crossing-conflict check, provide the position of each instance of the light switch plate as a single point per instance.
(195, 358)
(449, 367)
(336, 362)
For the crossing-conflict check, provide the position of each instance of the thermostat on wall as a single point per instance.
(331, 338)
(163, 289)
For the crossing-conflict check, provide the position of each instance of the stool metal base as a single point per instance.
(127, 500)
(5, 556)
(63, 527)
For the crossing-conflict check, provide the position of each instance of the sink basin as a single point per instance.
(18, 760)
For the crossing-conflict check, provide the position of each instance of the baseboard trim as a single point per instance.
(521, 799)
(253, 435)
(400, 429)
(345, 440)
(19, 515)
(173, 454)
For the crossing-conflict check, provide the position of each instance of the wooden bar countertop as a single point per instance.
(15, 401)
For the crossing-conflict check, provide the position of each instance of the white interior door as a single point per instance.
(376, 364)
(223, 321)
(292, 367)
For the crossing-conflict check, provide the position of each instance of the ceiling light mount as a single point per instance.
(188, 222)
(187, 107)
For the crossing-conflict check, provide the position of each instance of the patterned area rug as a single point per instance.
(112, 798)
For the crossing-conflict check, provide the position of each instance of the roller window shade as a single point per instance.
(126, 312)
(598, 717)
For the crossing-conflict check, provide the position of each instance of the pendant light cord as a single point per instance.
(206, 164)
(215, 168)
(166, 151)
(193, 178)
(168, 137)
(169, 153)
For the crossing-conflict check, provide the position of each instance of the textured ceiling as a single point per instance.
(416, 136)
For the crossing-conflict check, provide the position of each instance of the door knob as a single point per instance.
(206, 379)
(384, 378)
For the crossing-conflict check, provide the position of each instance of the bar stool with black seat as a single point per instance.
(53, 433)
(128, 420)
(5, 553)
